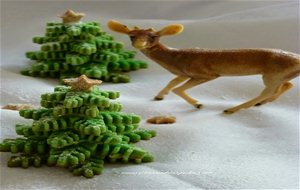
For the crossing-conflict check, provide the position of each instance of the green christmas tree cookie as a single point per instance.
(73, 48)
(79, 127)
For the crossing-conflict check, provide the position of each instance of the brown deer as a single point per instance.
(196, 66)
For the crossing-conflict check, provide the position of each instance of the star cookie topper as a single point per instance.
(71, 17)
(82, 83)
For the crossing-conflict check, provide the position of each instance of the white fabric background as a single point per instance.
(256, 148)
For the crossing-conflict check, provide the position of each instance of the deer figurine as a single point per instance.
(197, 66)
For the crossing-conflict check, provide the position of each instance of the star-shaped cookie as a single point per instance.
(70, 16)
(82, 83)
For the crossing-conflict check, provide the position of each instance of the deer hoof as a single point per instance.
(198, 106)
(158, 98)
(264, 102)
(228, 111)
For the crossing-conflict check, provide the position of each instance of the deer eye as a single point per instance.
(152, 37)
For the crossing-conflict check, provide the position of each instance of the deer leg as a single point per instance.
(176, 81)
(283, 88)
(266, 93)
(180, 91)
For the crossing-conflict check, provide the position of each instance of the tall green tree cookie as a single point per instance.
(78, 127)
(72, 48)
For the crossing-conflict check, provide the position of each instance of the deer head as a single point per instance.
(145, 38)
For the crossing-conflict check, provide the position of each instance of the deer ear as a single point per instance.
(118, 27)
(170, 30)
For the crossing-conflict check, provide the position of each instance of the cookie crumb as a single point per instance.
(18, 106)
(162, 120)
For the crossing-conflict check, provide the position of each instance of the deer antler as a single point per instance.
(118, 27)
(171, 30)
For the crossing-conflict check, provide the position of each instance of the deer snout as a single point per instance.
(140, 44)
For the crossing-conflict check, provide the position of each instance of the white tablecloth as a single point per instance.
(256, 148)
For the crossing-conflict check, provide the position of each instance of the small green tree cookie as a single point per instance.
(74, 48)
(80, 128)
